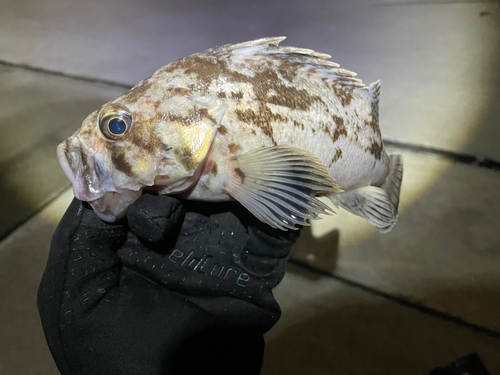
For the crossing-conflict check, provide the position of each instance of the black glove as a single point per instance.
(162, 292)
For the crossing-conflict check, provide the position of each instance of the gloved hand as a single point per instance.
(172, 289)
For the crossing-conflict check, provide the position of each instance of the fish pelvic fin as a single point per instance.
(279, 185)
(378, 205)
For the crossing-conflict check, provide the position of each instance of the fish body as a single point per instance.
(272, 127)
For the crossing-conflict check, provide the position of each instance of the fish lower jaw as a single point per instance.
(112, 206)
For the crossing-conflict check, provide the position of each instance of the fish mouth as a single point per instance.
(113, 205)
(86, 171)
(92, 181)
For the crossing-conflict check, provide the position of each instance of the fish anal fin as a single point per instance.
(371, 203)
(279, 185)
(378, 205)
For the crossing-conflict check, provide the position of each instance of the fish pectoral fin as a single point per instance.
(279, 185)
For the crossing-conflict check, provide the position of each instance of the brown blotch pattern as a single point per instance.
(203, 113)
(206, 69)
(237, 95)
(185, 157)
(234, 148)
(69, 158)
(119, 160)
(288, 70)
(209, 68)
(240, 173)
(192, 116)
(142, 135)
(262, 119)
(339, 121)
(214, 169)
(337, 156)
(300, 125)
(373, 124)
(339, 131)
(174, 117)
(222, 130)
(179, 91)
(221, 94)
(376, 149)
(345, 94)
(138, 91)
(311, 72)
(287, 96)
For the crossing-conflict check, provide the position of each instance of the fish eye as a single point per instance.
(115, 121)
(117, 126)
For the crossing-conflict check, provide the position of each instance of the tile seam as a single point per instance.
(400, 301)
(77, 77)
(457, 157)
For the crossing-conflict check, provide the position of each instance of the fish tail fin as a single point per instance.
(378, 205)
(392, 183)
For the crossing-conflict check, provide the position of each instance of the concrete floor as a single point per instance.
(354, 301)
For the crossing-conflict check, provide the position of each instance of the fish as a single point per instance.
(272, 127)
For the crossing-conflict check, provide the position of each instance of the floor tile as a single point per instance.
(38, 111)
(328, 328)
(444, 251)
(438, 61)
(23, 255)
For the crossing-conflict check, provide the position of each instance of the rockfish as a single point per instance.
(271, 127)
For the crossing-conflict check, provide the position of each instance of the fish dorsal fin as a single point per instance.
(269, 41)
(274, 41)
(301, 57)
(279, 185)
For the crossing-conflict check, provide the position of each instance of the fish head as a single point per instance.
(137, 142)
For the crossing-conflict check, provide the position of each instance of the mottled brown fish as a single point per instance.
(272, 127)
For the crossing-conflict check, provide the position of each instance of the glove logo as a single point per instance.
(206, 266)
